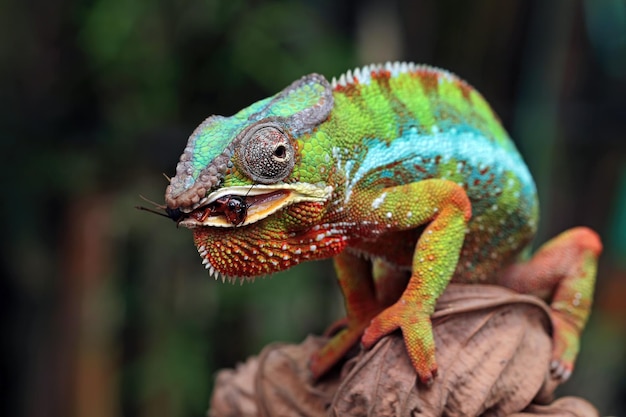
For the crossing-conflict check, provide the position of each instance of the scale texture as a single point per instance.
(405, 176)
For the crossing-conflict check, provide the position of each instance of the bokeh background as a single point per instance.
(107, 311)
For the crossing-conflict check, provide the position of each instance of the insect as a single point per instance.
(233, 207)
(175, 214)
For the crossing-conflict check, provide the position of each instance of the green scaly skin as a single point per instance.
(406, 177)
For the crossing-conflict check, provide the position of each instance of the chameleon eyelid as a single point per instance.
(265, 153)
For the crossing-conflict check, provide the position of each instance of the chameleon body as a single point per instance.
(403, 174)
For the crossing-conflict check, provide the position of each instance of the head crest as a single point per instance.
(299, 108)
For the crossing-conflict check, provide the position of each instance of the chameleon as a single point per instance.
(405, 176)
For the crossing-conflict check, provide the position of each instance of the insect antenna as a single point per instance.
(149, 210)
(173, 214)
(245, 197)
(155, 204)
(246, 205)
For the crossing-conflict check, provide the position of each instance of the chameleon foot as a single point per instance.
(325, 358)
(565, 347)
(417, 333)
(562, 272)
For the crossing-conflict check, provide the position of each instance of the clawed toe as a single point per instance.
(560, 370)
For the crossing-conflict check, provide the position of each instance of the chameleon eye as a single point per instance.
(266, 154)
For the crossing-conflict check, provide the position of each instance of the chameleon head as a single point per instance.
(237, 184)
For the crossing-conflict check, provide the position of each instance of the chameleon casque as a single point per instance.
(403, 174)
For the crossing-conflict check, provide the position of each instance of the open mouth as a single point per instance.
(242, 205)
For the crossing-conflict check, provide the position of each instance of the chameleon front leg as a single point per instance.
(354, 275)
(562, 272)
(445, 207)
(367, 289)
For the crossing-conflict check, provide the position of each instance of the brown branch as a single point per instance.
(493, 351)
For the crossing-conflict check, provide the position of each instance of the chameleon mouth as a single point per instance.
(242, 205)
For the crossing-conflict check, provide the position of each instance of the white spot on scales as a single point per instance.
(379, 200)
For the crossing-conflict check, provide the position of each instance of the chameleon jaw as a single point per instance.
(265, 200)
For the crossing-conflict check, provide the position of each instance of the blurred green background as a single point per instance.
(107, 311)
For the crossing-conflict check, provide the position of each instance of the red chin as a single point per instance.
(246, 252)
(237, 255)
